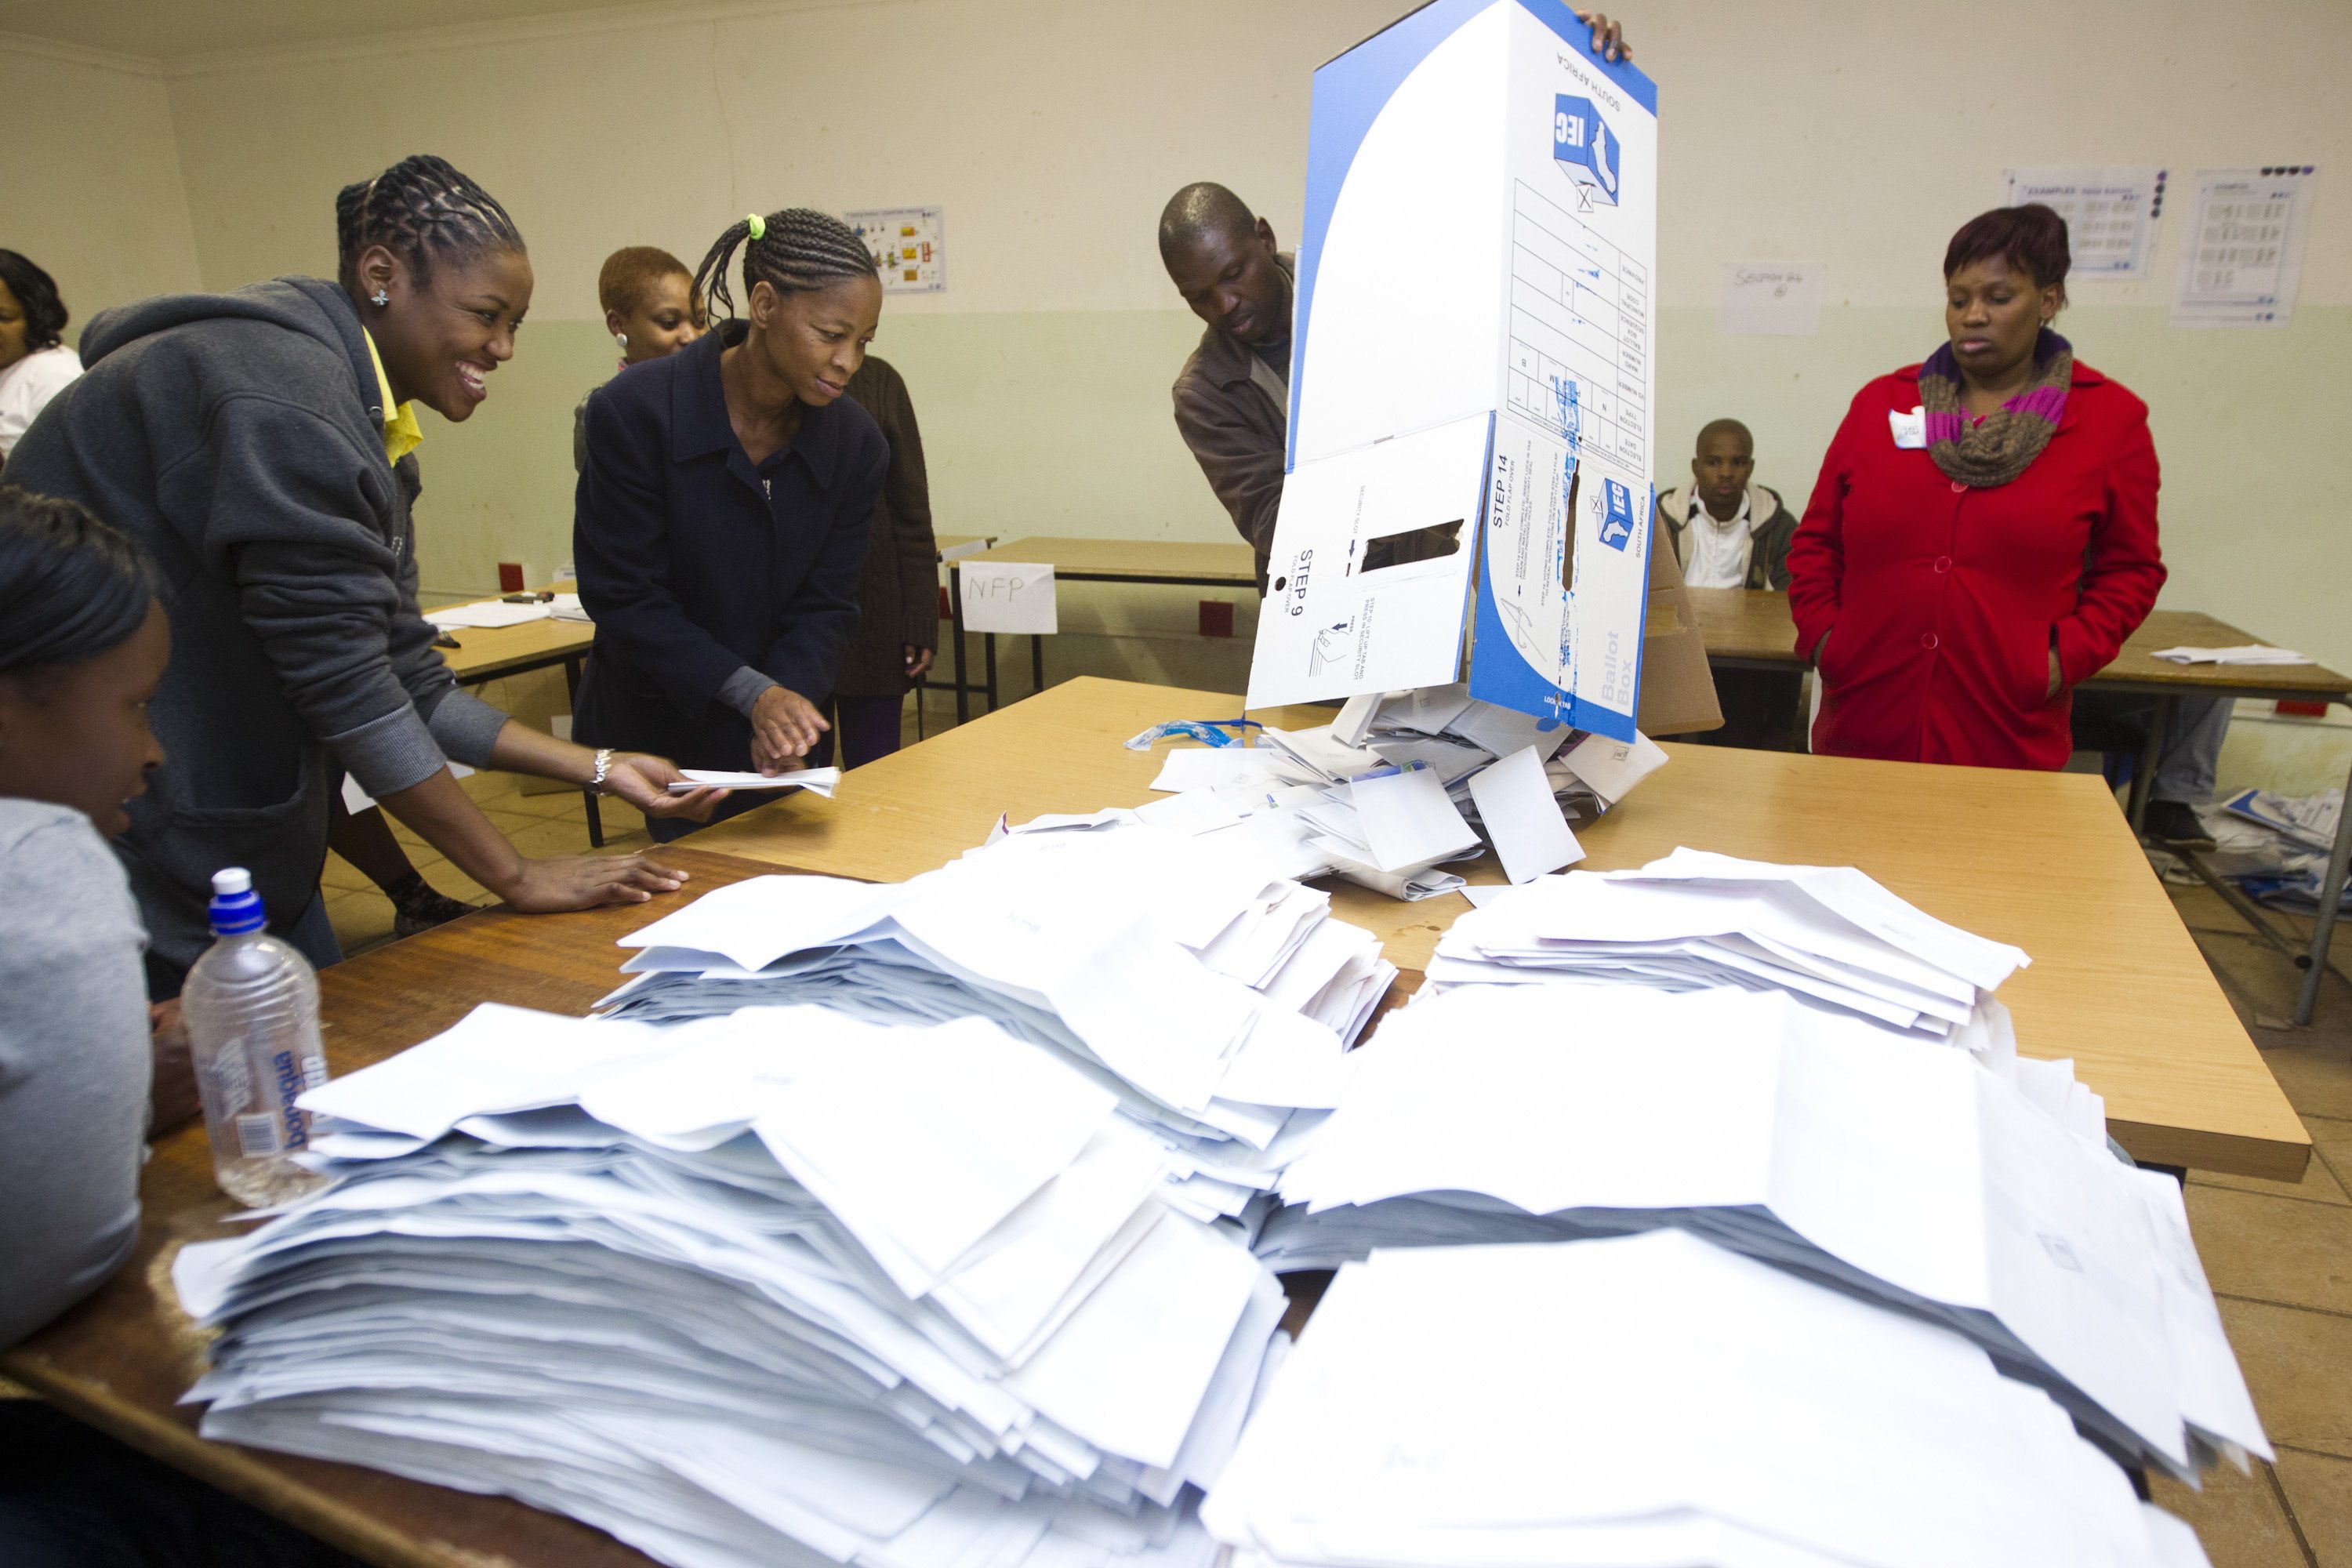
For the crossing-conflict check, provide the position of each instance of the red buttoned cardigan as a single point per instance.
(1946, 601)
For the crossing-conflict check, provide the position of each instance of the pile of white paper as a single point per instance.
(1398, 787)
(816, 781)
(1656, 1400)
(1830, 935)
(2252, 653)
(1213, 1001)
(783, 1288)
(488, 615)
(1897, 1170)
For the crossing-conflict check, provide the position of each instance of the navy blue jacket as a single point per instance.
(694, 564)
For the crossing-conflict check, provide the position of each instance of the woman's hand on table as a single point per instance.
(918, 660)
(643, 780)
(784, 725)
(584, 881)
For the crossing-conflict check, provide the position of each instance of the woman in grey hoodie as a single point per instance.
(258, 446)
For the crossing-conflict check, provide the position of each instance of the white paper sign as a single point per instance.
(1008, 596)
(910, 247)
(2243, 259)
(1769, 299)
(2110, 214)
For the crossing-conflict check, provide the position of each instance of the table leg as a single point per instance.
(2151, 756)
(2331, 895)
(955, 626)
(588, 797)
(988, 648)
(1036, 665)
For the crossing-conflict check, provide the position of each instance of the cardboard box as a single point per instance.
(1473, 343)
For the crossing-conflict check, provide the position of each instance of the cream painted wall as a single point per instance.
(89, 184)
(1850, 132)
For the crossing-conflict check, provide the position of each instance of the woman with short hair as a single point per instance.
(651, 307)
(1983, 535)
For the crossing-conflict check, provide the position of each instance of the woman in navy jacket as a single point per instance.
(722, 517)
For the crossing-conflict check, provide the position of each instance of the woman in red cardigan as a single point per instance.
(1983, 533)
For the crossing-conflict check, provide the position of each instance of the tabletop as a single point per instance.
(1752, 624)
(1136, 560)
(120, 1359)
(483, 652)
(2042, 860)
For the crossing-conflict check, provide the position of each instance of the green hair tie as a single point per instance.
(757, 224)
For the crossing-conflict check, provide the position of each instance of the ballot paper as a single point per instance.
(816, 781)
(1520, 817)
(1612, 768)
(781, 1288)
(1210, 997)
(488, 615)
(1828, 934)
(1653, 1399)
(1894, 1170)
(2252, 653)
(567, 607)
(1407, 820)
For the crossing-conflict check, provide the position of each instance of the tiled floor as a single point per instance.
(2280, 1256)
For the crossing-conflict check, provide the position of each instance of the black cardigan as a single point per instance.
(694, 564)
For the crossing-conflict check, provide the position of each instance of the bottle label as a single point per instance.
(290, 1076)
(256, 1135)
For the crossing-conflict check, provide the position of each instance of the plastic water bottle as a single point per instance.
(252, 1009)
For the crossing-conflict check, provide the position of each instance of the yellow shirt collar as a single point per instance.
(401, 433)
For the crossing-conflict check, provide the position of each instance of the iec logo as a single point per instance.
(1617, 514)
(1585, 150)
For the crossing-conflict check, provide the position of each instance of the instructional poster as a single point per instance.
(2242, 259)
(2110, 214)
(910, 247)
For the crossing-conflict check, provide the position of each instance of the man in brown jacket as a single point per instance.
(1233, 396)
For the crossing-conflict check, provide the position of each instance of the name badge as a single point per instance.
(1910, 430)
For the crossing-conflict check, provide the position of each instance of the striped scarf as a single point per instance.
(1996, 448)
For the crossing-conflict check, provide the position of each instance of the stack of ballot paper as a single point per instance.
(1654, 1399)
(1896, 1170)
(1830, 935)
(1400, 786)
(1213, 1001)
(797, 1291)
(2252, 653)
(488, 615)
(816, 781)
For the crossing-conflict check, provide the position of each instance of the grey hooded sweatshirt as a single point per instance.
(239, 438)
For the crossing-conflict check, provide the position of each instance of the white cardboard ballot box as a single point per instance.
(1472, 350)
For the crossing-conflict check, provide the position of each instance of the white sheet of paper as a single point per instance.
(1522, 819)
(1769, 299)
(820, 781)
(486, 614)
(2110, 213)
(1612, 767)
(1215, 767)
(1008, 595)
(1407, 820)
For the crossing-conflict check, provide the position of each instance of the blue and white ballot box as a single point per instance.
(1472, 352)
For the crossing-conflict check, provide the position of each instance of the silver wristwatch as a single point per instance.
(603, 770)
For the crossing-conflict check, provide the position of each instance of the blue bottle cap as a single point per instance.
(236, 908)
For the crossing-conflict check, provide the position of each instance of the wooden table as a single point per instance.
(1748, 628)
(1167, 562)
(120, 1359)
(2038, 860)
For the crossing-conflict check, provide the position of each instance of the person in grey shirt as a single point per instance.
(83, 647)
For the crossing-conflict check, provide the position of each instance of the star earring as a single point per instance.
(380, 298)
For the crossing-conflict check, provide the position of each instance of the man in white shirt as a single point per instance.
(1728, 531)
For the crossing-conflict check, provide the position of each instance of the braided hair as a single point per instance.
(420, 209)
(790, 251)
